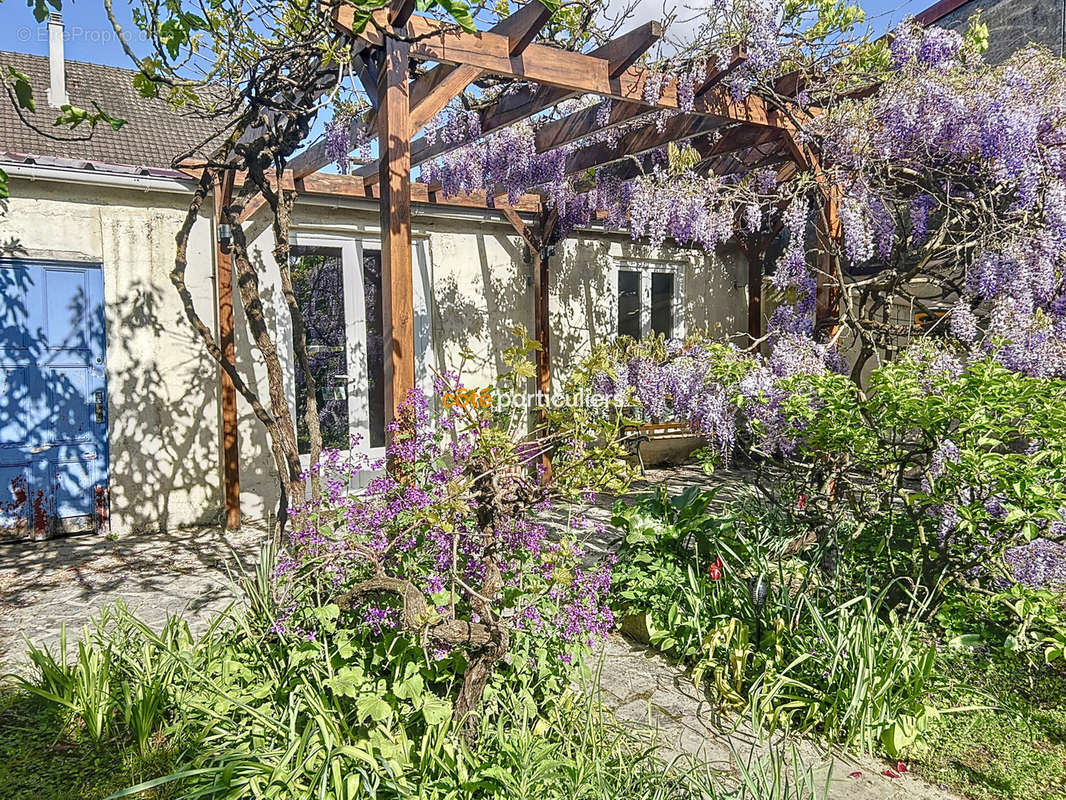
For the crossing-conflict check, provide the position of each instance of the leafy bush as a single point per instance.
(247, 712)
(948, 455)
(748, 616)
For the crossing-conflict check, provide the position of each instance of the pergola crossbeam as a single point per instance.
(620, 53)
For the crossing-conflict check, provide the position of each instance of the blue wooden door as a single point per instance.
(53, 400)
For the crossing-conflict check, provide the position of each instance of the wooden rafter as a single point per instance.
(525, 102)
(429, 93)
(549, 66)
(585, 122)
(400, 12)
(640, 141)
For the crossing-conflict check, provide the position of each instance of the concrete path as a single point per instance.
(44, 585)
(647, 691)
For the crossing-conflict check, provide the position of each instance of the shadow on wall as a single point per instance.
(164, 440)
(584, 314)
(479, 317)
(259, 481)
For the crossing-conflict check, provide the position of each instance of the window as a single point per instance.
(318, 280)
(651, 300)
(338, 286)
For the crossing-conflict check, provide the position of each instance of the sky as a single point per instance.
(90, 37)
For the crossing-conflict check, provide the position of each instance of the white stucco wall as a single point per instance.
(163, 386)
(163, 402)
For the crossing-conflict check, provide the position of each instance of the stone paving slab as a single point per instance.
(44, 585)
(645, 690)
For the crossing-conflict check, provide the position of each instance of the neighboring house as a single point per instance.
(1011, 23)
(111, 405)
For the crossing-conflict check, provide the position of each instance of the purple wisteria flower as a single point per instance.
(1040, 564)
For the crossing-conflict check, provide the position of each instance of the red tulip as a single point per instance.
(801, 502)
(714, 571)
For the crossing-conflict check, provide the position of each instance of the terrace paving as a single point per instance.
(47, 585)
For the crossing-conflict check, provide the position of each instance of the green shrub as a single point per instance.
(855, 671)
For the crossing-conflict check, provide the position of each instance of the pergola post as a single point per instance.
(231, 481)
(394, 138)
(755, 256)
(827, 305)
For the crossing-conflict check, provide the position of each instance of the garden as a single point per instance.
(874, 558)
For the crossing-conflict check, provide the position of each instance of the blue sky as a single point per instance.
(89, 36)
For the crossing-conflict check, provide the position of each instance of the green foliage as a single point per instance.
(40, 8)
(1022, 621)
(950, 464)
(856, 672)
(242, 713)
(20, 85)
(1013, 746)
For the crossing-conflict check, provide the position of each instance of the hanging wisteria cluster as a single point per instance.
(973, 158)
(719, 389)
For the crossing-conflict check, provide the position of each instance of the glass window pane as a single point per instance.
(318, 281)
(375, 346)
(629, 303)
(662, 303)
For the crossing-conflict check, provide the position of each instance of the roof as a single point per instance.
(154, 133)
(939, 10)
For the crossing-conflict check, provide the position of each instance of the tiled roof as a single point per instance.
(92, 166)
(154, 133)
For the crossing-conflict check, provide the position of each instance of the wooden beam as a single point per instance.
(830, 233)
(365, 67)
(620, 53)
(231, 480)
(574, 72)
(400, 12)
(585, 122)
(433, 91)
(522, 35)
(634, 143)
(397, 281)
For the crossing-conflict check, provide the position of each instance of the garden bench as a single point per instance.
(636, 435)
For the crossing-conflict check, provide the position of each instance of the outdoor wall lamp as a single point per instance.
(225, 236)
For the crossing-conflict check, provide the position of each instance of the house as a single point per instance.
(111, 406)
(1012, 24)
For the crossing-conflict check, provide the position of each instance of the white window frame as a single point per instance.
(352, 245)
(645, 267)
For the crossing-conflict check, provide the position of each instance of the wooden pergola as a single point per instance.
(730, 136)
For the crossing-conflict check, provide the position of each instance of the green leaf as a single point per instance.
(460, 12)
(145, 86)
(435, 710)
(966, 640)
(372, 706)
(412, 686)
(20, 82)
(347, 682)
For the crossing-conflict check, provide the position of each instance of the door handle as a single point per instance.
(98, 400)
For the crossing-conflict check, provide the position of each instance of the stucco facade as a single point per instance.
(472, 285)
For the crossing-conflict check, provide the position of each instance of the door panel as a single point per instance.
(53, 427)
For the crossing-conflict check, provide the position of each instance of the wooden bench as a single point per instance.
(638, 434)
